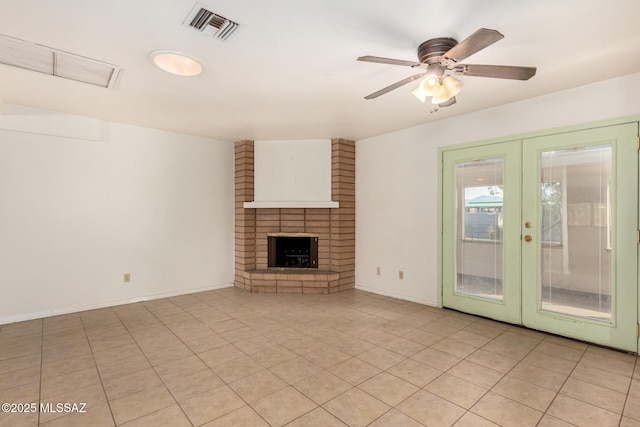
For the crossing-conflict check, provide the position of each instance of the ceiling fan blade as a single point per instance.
(380, 60)
(495, 71)
(394, 86)
(474, 43)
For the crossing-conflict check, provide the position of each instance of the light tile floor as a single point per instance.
(231, 358)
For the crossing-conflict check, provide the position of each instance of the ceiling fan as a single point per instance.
(439, 58)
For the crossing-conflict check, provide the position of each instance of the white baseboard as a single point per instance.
(398, 296)
(56, 312)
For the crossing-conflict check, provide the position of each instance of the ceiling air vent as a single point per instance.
(30, 56)
(210, 24)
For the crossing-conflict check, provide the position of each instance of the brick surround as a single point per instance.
(335, 228)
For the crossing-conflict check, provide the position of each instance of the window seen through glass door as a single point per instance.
(575, 225)
(480, 228)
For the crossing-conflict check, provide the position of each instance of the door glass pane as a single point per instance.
(575, 232)
(479, 225)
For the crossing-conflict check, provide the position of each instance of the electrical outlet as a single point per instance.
(127, 278)
(401, 275)
(378, 271)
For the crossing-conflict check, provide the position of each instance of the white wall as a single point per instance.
(397, 176)
(292, 170)
(76, 214)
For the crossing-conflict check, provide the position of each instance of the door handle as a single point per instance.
(528, 238)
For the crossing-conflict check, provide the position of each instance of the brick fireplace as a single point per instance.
(333, 227)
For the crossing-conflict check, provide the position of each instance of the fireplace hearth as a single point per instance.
(293, 251)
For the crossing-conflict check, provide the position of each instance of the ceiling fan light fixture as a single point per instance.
(431, 84)
(453, 85)
(419, 93)
(177, 63)
(427, 87)
(449, 88)
(441, 96)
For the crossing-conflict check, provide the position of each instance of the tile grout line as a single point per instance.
(96, 366)
(626, 398)
(546, 412)
(585, 351)
(465, 358)
(154, 367)
(121, 322)
(41, 366)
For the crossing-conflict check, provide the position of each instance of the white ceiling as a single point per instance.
(290, 70)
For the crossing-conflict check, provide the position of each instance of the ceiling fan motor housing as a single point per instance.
(430, 51)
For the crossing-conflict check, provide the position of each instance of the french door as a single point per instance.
(543, 232)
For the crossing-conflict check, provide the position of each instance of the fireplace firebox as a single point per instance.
(293, 251)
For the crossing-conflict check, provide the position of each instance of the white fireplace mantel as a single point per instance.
(290, 204)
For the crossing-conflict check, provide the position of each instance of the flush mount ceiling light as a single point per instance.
(177, 63)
